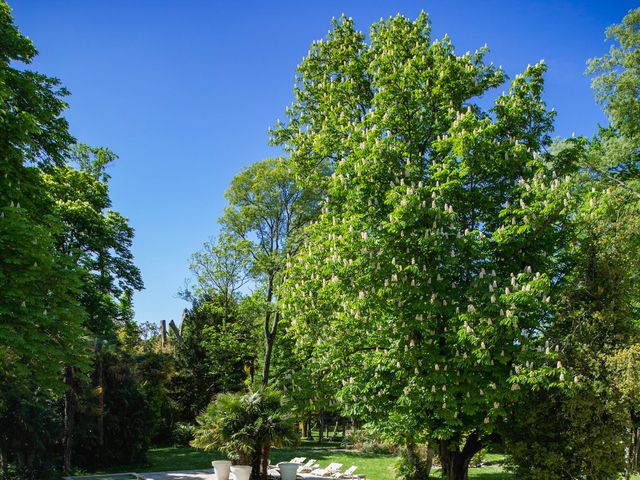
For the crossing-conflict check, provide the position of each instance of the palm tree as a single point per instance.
(244, 426)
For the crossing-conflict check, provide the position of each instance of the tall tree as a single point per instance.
(424, 286)
(41, 325)
(266, 211)
(41, 319)
(98, 240)
(616, 161)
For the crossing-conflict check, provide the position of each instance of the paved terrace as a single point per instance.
(206, 474)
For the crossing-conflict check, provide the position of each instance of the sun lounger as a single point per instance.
(328, 471)
(299, 460)
(347, 474)
(307, 467)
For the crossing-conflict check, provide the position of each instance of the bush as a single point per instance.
(365, 441)
(551, 436)
(414, 463)
(126, 418)
(183, 433)
(478, 458)
(30, 432)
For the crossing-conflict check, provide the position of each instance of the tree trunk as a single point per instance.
(266, 452)
(256, 463)
(631, 453)
(334, 435)
(321, 425)
(455, 463)
(100, 401)
(270, 329)
(430, 454)
(635, 458)
(163, 335)
(70, 407)
(4, 461)
(268, 350)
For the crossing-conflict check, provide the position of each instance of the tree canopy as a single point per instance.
(424, 287)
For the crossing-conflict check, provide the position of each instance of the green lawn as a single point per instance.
(374, 466)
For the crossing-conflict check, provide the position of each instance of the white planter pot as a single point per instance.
(241, 472)
(288, 470)
(222, 469)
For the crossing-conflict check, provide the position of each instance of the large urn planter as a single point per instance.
(241, 472)
(288, 470)
(222, 468)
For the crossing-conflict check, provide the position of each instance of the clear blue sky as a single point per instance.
(184, 91)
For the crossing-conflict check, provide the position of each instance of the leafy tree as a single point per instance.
(583, 432)
(221, 268)
(40, 318)
(218, 343)
(424, 286)
(625, 369)
(98, 240)
(127, 413)
(616, 157)
(30, 433)
(617, 80)
(266, 210)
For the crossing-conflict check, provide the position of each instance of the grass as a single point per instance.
(374, 466)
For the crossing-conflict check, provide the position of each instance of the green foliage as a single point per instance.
(423, 289)
(221, 267)
(66, 266)
(265, 209)
(99, 239)
(413, 463)
(583, 432)
(265, 214)
(617, 84)
(40, 319)
(366, 441)
(128, 415)
(183, 433)
(31, 426)
(218, 343)
(624, 368)
(551, 436)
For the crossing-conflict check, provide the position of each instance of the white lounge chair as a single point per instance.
(293, 460)
(307, 467)
(348, 473)
(329, 471)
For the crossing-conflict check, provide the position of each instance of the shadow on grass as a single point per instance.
(482, 476)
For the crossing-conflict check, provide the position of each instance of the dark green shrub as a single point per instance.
(183, 433)
(553, 436)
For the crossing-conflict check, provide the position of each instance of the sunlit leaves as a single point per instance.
(424, 286)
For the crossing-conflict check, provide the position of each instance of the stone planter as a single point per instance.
(241, 472)
(288, 470)
(222, 469)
